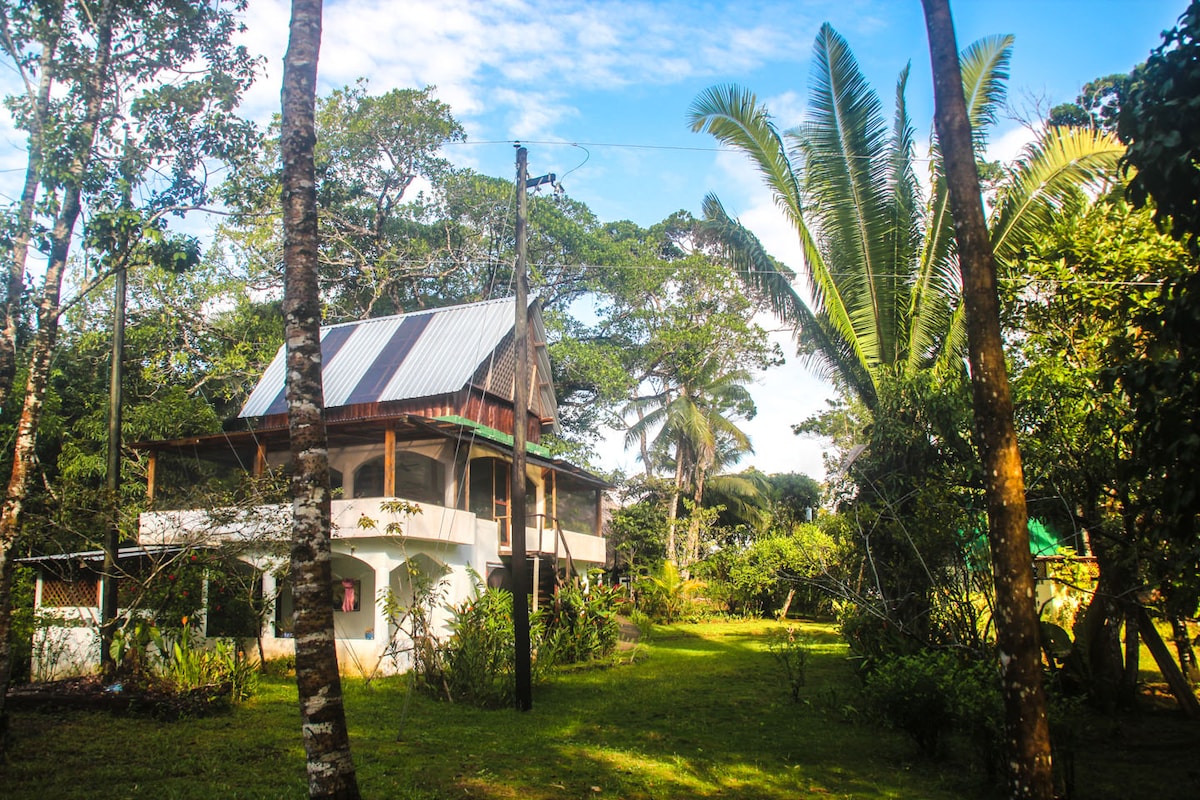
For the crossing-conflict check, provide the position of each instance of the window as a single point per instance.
(417, 477)
(577, 507)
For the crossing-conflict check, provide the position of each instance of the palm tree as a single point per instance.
(881, 266)
(693, 419)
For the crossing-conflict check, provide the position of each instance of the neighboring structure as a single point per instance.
(419, 408)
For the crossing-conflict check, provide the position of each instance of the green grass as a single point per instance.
(701, 712)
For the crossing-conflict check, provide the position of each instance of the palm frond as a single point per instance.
(832, 350)
(904, 228)
(984, 67)
(1048, 179)
(844, 147)
(733, 116)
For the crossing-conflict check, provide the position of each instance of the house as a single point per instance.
(419, 408)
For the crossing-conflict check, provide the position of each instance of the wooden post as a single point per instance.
(260, 459)
(1166, 664)
(151, 470)
(389, 460)
(516, 499)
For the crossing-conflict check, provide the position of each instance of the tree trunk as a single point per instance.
(673, 508)
(15, 279)
(1027, 732)
(24, 446)
(323, 719)
(1166, 665)
(1183, 646)
(692, 547)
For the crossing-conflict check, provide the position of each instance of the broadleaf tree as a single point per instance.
(128, 107)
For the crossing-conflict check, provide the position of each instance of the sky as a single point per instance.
(599, 91)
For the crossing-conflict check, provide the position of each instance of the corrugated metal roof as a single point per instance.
(402, 357)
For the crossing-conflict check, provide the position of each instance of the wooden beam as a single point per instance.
(389, 460)
(260, 459)
(151, 469)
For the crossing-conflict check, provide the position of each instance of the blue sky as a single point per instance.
(617, 78)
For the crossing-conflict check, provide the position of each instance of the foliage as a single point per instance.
(475, 664)
(638, 526)
(1097, 106)
(1164, 387)
(1160, 121)
(668, 596)
(762, 576)
(795, 497)
(930, 694)
(885, 278)
(577, 625)
(187, 665)
(184, 678)
(915, 500)
(791, 652)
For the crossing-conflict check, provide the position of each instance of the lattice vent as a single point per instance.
(61, 594)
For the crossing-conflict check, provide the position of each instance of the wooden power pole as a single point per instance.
(516, 505)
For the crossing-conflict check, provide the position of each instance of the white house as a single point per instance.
(419, 408)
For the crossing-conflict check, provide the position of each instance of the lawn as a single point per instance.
(702, 711)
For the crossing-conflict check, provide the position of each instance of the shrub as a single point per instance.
(791, 652)
(668, 596)
(929, 694)
(578, 625)
(475, 664)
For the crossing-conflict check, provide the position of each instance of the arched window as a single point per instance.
(418, 477)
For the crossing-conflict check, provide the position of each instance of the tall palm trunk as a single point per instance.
(1027, 731)
(673, 507)
(24, 446)
(323, 719)
(692, 546)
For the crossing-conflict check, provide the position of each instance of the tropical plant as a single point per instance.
(692, 415)
(881, 264)
(668, 596)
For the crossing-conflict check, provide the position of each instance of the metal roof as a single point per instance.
(403, 357)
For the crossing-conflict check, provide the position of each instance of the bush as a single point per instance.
(791, 652)
(932, 693)
(578, 626)
(668, 597)
(475, 664)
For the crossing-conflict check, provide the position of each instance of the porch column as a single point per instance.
(270, 588)
(389, 460)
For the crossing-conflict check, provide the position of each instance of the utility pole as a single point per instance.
(112, 537)
(516, 506)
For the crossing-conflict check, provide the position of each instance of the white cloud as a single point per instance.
(1009, 145)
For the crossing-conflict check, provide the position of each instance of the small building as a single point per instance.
(419, 409)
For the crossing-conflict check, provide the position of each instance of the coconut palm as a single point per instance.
(692, 419)
(881, 266)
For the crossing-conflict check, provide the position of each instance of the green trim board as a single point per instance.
(491, 434)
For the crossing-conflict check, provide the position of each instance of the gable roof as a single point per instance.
(415, 355)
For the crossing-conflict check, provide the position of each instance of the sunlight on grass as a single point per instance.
(704, 712)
